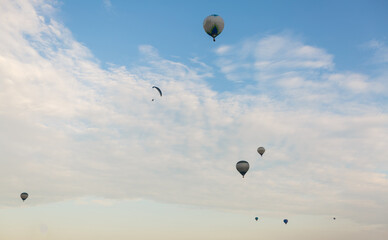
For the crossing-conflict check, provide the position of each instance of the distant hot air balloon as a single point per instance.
(213, 25)
(242, 167)
(285, 221)
(261, 150)
(256, 218)
(24, 196)
(334, 218)
(160, 91)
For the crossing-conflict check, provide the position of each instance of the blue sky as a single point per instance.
(113, 32)
(306, 80)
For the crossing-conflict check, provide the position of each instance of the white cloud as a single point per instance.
(284, 68)
(72, 129)
(352, 81)
(224, 49)
(285, 52)
(272, 53)
(381, 51)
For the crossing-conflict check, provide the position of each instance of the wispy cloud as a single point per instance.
(108, 5)
(72, 129)
(354, 82)
(381, 51)
(285, 68)
(271, 53)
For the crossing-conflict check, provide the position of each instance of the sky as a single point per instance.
(307, 80)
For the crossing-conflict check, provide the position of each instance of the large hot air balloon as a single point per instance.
(213, 25)
(261, 150)
(242, 167)
(160, 91)
(256, 218)
(24, 196)
(285, 221)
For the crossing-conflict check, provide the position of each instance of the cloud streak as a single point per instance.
(269, 54)
(284, 68)
(381, 51)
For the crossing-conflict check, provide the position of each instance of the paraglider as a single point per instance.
(285, 221)
(24, 196)
(242, 167)
(213, 25)
(160, 91)
(261, 151)
(256, 218)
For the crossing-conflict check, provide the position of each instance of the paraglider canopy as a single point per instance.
(256, 218)
(261, 150)
(24, 196)
(160, 91)
(285, 221)
(213, 25)
(242, 167)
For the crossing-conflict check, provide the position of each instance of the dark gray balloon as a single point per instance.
(261, 150)
(242, 167)
(24, 196)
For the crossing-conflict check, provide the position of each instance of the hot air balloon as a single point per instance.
(261, 150)
(24, 196)
(213, 25)
(160, 91)
(242, 167)
(285, 221)
(256, 218)
(333, 218)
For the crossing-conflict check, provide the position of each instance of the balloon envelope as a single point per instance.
(261, 150)
(243, 167)
(285, 221)
(256, 218)
(213, 25)
(24, 196)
